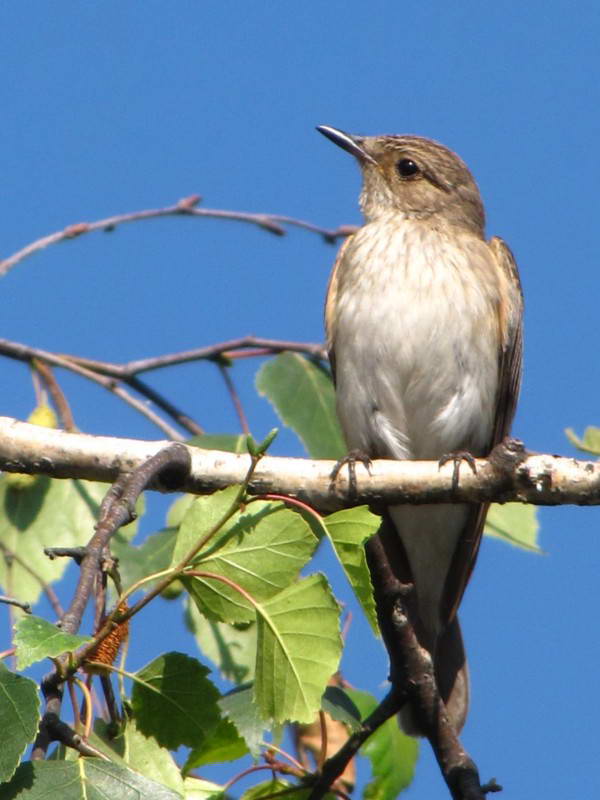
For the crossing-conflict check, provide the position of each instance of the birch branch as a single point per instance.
(508, 475)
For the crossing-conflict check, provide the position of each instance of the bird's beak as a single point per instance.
(353, 144)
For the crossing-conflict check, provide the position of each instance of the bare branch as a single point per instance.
(108, 375)
(23, 352)
(232, 349)
(56, 393)
(530, 478)
(235, 398)
(185, 207)
(46, 587)
(12, 601)
(180, 417)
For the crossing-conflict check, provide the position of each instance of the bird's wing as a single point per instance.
(512, 341)
(510, 314)
(331, 305)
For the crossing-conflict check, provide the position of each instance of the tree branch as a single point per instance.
(508, 475)
(23, 352)
(108, 374)
(184, 207)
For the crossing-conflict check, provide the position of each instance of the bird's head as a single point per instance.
(414, 176)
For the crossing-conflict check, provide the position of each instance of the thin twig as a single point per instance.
(59, 731)
(22, 352)
(109, 697)
(87, 705)
(46, 587)
(180, 417)
(185, 207)
(336, 764)
(12, 601)
(235, 398)
(56, 393)
(74, 705)
(232, 349)
(275, 766)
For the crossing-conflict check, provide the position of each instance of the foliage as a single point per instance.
(258, 614)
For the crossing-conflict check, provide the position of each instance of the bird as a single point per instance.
(423, 320)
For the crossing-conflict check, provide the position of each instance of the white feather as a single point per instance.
(416, 348)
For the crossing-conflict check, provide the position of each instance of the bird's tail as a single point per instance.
(452, 678)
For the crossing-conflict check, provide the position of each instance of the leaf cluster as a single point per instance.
(257, 612)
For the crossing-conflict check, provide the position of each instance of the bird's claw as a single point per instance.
(350, 459)
(457, 458)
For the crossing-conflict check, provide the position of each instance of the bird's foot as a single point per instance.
(457, 458)
(350, 459)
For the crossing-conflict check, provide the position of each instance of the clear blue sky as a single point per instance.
(111, 107)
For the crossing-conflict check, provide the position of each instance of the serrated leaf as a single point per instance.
(262, 550)
(84, 779)
(514, 523)
(340, 707)
(590, 443)
(19, 717)
(348, 531)
(232, 649)
(303, 396)
(239, 707)
(393, 754)
(298, 649)
(174, 701)
(224, 744)
(36, 639)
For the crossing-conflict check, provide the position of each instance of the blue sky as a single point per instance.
(112, 107)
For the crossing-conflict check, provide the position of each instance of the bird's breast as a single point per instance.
(412, 318)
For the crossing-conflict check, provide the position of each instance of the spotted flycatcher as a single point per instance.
(423, 320)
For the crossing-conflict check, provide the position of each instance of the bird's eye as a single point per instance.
(407, 168)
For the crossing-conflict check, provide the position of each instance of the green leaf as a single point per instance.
(54, 513)
(224, 744)
(178, 510)
(230, 443)
(174, 701)
(303, 396)
(348, 531)
(340, 707)
(232, 649)
(36, 639)
(393, 754)
(275, 788)
(515, 523)
(153, 555)
(202, 515)
(84, 779)
(590, 442)
(298, 649)
(262, 550)
(197, 789)
(19, 717)
(139, 752)
(239, 707)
